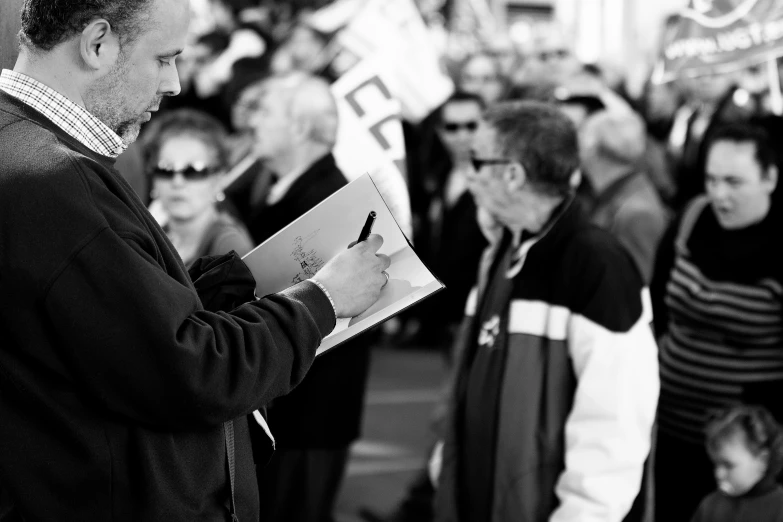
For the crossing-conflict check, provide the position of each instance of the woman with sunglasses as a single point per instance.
(186, 156)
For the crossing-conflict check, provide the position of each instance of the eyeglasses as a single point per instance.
(546, 56)
(479, 163)
(454, 127)
(190, 172)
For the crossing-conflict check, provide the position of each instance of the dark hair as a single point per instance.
(761, 431)
(185, 122)
(746, 133)
(456, 97)
(541, 138)
(46, 23)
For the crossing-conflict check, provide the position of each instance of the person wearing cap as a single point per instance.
(611, 149)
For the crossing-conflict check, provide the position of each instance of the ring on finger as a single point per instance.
(387, 278)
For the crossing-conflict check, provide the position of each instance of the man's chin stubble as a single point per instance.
(129, 132)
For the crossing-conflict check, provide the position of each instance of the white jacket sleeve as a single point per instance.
(608, 432)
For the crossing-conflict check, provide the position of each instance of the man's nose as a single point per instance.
(170, 85)
(720, 191)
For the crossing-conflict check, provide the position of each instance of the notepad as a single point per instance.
(298, 251)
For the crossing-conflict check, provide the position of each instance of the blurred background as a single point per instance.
(394, 67)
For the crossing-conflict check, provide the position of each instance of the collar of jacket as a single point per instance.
(565, 212)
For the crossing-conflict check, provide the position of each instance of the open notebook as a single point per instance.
(299, 250)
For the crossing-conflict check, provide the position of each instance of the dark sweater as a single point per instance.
(763, 503)
(114, 380)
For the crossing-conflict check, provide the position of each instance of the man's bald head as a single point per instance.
(308, 101)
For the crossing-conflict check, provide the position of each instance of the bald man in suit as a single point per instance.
(294, 118)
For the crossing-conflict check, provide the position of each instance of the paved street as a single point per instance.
(403, 389)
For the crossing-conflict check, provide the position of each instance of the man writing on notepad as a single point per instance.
(117, 387)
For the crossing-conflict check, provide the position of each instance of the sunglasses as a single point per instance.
(454, 127)
(479, 163)
(546, 56)
(190, 172)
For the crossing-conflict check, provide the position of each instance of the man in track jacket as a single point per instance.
(557, 379)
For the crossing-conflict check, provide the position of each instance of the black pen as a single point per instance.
(365, 233)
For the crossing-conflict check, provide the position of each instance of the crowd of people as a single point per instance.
(611, 321)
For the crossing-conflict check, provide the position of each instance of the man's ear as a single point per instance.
(515, 176)
(99, 45)
(772, 177)
(302, 126)
(575, 180)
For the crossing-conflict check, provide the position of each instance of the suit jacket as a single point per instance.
(320, 181)
(325, 410)
(631, 211)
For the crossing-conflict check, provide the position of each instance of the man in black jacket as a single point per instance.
(117, 386)
(295, 129)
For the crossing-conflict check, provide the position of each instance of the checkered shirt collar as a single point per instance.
(70, 117)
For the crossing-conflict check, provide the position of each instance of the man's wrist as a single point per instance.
(326, 293)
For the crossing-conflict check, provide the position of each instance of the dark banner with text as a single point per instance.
(722, 35)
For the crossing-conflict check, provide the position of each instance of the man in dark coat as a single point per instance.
(120, 392)
(295, 129)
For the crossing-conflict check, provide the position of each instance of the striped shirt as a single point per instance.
(70, 117)
(722, 336)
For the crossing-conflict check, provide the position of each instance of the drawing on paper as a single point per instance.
(307, 259)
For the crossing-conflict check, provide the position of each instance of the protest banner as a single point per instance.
(393, 36)
(370, 139)
(715, 36)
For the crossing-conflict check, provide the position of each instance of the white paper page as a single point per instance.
(298, 251)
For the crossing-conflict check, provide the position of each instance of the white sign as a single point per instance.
(391, 35)
(370, 139)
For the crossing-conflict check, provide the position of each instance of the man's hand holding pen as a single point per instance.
(355, 277)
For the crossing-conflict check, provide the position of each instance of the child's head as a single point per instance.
(745, 445)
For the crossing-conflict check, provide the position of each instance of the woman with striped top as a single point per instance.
(719, 320)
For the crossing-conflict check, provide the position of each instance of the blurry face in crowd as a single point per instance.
(191, 190)
(555, 58)
(192, 59)
(737, 469)
(480, 76)
(306, 48)
(738, 189)
(458, 126)
(271, 124)
(707, 89)
(496, 184)
(244, 108)
(144, 72)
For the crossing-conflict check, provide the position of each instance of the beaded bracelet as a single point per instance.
(326, 292)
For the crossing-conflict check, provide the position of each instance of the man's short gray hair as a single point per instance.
(541, 138)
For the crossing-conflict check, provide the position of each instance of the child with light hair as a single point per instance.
(746, 446)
